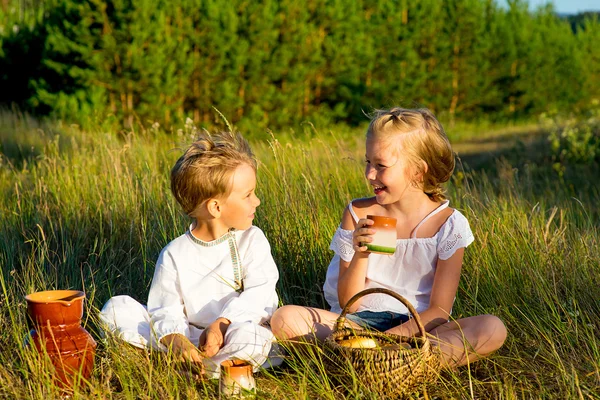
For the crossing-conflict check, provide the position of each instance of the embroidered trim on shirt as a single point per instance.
(236, 262)
(211, 243)
(233, 250)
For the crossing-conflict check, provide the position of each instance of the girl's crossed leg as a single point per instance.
(462, 341)
(303, 324)
(468, 339)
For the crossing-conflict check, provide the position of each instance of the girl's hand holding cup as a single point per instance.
(375, 234)
(363, 235)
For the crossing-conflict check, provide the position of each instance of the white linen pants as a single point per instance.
(130, 321)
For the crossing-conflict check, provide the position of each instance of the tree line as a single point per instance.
(273, 63)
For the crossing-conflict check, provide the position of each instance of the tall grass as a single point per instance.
(91, 211)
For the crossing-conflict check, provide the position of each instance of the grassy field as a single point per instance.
(91, 210)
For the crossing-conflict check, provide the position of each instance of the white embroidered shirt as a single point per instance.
(195, 282)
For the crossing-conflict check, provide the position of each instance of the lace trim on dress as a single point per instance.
(341, 244)
(459, 235)
(451, 242)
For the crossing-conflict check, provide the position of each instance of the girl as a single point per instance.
(408, 157)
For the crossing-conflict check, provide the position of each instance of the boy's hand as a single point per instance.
(184, 349)
(362, 235)
(212, 338)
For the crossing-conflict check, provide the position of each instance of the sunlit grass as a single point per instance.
(91, 211)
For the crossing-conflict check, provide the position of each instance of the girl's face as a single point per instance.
(387, 170)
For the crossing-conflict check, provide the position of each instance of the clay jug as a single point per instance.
(56, 317)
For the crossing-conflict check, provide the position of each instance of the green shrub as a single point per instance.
(575, 141)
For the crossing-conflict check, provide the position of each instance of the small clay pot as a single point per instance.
(384, 239)
(236, 381)
(56, 317)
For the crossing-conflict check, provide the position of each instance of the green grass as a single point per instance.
(91, 211)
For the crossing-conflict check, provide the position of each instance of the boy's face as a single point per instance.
(238, 210)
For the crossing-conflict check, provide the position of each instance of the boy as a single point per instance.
(213, 286)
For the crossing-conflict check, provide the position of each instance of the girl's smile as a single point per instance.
(378, 189)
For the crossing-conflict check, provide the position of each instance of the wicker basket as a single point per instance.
(390, 369)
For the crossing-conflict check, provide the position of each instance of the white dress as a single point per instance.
(408, 272)
(196, 282)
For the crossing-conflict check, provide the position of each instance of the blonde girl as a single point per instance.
(408, 158)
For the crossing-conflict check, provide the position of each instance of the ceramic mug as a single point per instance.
(384, 239)
(236, 381)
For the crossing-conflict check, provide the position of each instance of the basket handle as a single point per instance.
(342, 318)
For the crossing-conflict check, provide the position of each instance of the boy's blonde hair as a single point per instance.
(205, 169)
(423, 139)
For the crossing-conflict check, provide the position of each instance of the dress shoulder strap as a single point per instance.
(431, 214)
(351, 209)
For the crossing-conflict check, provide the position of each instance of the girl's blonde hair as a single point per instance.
(423, 140)
(205, 169)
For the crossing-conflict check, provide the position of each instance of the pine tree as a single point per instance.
(554, 75)
(588, 37)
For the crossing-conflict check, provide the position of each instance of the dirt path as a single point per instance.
(478, 150)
